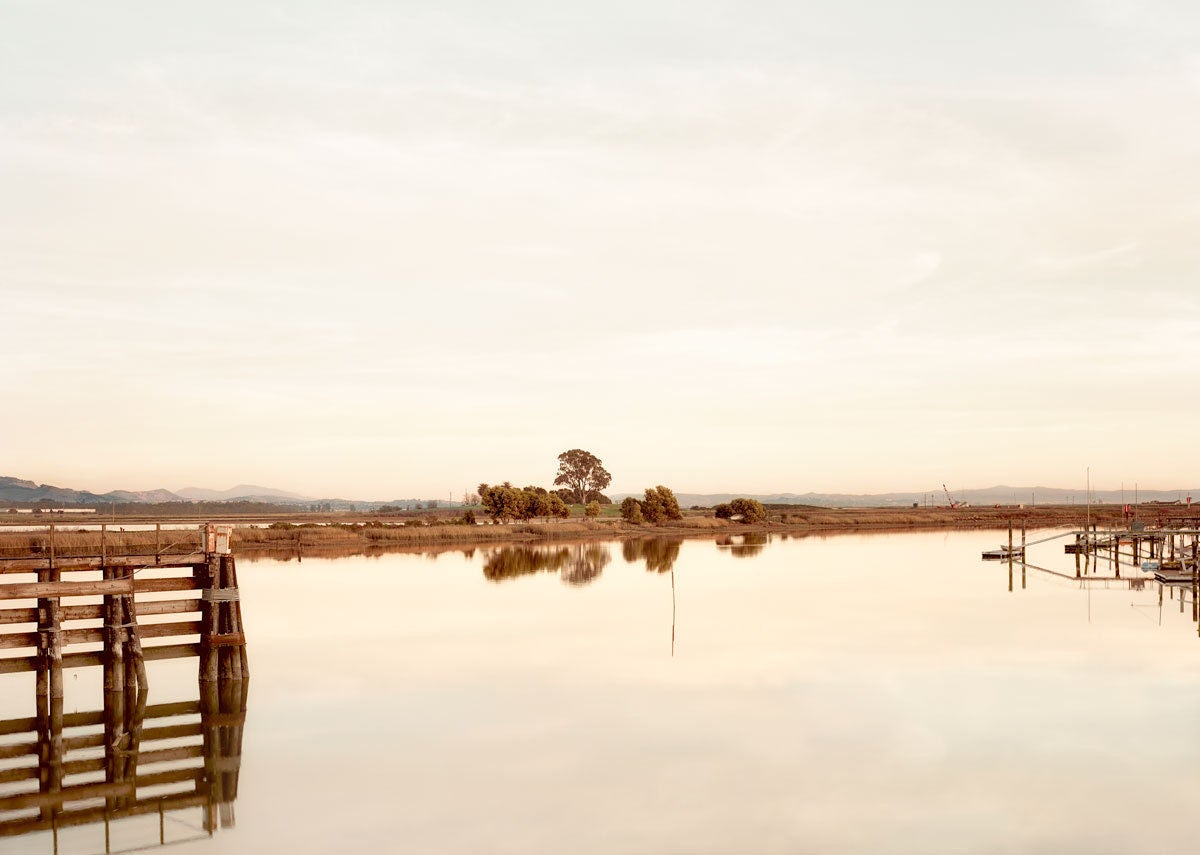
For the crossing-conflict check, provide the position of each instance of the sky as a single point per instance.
(381, 250)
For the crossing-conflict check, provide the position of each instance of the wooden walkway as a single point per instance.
(1171, 554)
(128, 757)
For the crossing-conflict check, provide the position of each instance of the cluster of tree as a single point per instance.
(750, 510)
(183, 510)
(657, 506)
(506, 502)
(405, 507)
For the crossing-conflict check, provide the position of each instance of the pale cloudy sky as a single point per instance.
(391, 249)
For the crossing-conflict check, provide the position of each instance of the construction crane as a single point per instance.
(953, 503)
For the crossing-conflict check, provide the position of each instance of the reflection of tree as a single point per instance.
(744, 545)
(513, 561)
(659, 553)
(586, 564)
(578, 565)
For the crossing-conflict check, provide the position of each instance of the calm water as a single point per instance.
(846, 694)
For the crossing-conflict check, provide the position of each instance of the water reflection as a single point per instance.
(659, 553)
(577, 564)
(124, 761)
(744, 545)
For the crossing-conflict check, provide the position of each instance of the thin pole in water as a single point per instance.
(672, 612)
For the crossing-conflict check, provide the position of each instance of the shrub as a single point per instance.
(751, 510)
(592, 509)
(631, 510)
(660, 505)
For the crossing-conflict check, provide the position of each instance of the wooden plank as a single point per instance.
(178, 801)
(170, 755)
(79, 767)
(11, 616)
(17, 640)
(18, 664)
(30, 564)
(18, 749)
(170, 776)
(35, 590)
(170, 651)
(18, 725)
(176, 583)
(94, 612)
(171, 731)
(88, 635)
(95, 635)
(168, 607)
(169, 629)
(82, 660)
(21, 773)
(177, 708)
(89, 740)
(22, 801)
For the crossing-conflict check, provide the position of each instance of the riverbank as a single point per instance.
(347, 534)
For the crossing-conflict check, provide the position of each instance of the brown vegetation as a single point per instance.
(351, 534)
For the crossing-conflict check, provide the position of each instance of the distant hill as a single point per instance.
(20, 490)
(242, 491)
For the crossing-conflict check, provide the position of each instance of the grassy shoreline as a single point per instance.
(362, 534)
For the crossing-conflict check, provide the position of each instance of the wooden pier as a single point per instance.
(62, 609)
(1171, 554)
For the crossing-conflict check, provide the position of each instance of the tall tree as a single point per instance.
(582, 473)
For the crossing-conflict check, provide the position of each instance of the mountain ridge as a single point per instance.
(13, 489)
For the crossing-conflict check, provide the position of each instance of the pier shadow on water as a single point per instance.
(141, 774)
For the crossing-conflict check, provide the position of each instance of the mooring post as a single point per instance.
(114, 689)
(55, 667)
(209, 612)
(1195, 592)
(1022, 554)
(49, 750)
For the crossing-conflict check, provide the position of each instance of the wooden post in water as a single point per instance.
(1022, 554)
(209, 612)
(1195, 592)
(49, 741)
(114, 689)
